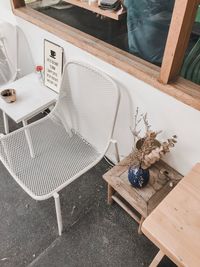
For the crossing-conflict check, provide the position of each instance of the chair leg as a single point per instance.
(114, 142)
(58, 213)
(111, 191)
(29, 140)
(5, 120)
(157, 259)
(140, 225)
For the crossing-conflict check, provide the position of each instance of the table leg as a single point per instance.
(5, 120)
(110, 193)
(157, 259)
(29, 140)
(140, 225)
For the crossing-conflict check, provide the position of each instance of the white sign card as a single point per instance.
(53, 65)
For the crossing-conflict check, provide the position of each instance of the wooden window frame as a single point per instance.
(165, 78)
(178, 37)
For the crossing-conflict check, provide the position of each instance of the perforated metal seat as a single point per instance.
(67, 156)
(49, 154)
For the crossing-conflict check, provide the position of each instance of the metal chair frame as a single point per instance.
(27, 131)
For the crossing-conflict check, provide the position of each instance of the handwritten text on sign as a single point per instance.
(53, 63)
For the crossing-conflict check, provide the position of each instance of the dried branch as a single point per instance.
(150, 150)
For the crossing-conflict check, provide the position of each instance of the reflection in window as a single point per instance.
(191, 66)
(141, 29)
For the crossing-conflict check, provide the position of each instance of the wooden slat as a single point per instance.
(178, 37)
(159, 196)
(157, 259)
(146, 193)
(94, 8)
(17, 3)
(182, 90)
(129, 194)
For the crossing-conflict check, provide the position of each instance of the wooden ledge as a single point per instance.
(183, 90)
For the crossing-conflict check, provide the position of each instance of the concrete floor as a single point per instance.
(95, 234)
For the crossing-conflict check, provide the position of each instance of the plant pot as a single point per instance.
(138, 177)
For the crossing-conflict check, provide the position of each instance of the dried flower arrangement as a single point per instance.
(147, 149)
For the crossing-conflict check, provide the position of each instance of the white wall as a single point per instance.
(6, 12)
(165, 113)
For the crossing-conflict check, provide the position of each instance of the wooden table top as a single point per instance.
(174, 226)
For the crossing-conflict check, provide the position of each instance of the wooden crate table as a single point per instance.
(139, 203)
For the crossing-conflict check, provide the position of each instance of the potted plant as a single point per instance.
(147, 150)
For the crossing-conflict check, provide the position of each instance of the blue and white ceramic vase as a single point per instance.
(137, 176)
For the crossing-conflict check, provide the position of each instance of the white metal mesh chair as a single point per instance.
(49, 154)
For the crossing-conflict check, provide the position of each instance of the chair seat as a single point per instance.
(59, 157)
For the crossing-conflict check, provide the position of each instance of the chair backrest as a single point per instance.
(8, 52)
(88, 103)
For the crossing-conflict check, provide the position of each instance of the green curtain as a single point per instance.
(148, 24)
(191, 66)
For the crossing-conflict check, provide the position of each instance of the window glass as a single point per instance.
(191, 66)
(140, 28)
